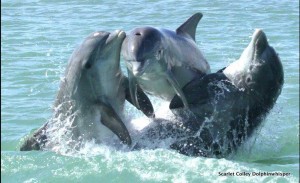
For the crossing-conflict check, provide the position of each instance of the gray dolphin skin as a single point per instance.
(226, 107)
(162, 61)
(93, 93)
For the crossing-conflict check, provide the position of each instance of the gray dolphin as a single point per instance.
(226, 107)
(93, 90)
(162, 61)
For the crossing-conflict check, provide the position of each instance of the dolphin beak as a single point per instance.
(137, 68)
(118, 34)
(260, 42)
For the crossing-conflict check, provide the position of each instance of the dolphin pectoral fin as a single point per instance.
(144, 102)
(111, 120)
(177, 88)
(197, 91)
(176, 102)
(188, 28)
(30, 144)
(133, 89)
(36, 141)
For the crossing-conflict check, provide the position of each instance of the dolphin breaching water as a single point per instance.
(162, 61)
(226, 107)
(214, 113)
(90, 101)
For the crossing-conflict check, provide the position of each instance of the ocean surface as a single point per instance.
(39, 36)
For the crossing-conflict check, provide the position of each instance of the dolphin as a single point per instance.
(226, 107)
(162, 61)
(92, 94)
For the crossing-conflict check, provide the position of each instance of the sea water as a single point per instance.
(38, 37)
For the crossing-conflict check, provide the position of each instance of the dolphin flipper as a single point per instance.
(133, 89)
(194, 97)
(197, 91)
(30, 144)
(111, 120)
(36, 141)
(144, 102)
(188, 28)
(176, 86)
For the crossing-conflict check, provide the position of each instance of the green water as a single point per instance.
(38, 37)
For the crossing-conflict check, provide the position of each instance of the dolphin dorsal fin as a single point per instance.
(188, 28)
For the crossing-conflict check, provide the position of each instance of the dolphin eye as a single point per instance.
(251, 67)
(88, 65)
(159, 54)
(248, 79)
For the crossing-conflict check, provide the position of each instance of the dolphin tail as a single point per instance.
(177, 88)
(111, 120)
(188, 28)
(144, 102)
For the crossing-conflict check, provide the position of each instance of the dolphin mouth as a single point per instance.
(137, 67)
(118, 34)
(101, 33)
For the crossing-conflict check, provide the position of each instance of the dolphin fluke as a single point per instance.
(188, 28)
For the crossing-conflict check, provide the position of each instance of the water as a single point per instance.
(38, 37)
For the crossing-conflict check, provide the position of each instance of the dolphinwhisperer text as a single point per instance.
(248, 174)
